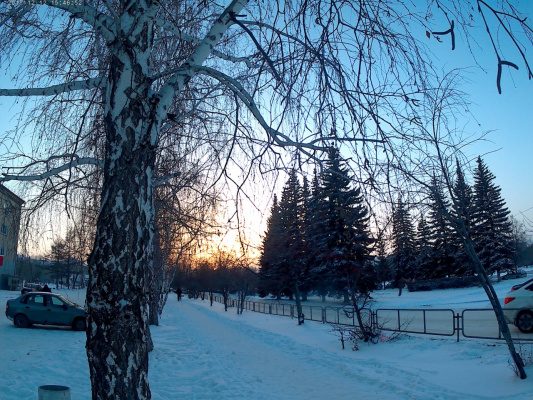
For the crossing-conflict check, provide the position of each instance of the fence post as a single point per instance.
(457, 326)
(399, 324)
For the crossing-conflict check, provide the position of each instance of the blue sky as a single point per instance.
(507, 150)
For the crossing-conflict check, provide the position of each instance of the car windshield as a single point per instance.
(70, 303)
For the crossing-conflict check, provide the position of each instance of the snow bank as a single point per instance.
(202, 352)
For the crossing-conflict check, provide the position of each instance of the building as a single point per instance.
(69, 273)
(10, 212)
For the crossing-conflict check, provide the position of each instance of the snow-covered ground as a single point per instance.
(202, 352)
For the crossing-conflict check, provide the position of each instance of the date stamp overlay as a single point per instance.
(45, 2)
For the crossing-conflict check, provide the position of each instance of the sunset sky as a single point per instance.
(507, 149)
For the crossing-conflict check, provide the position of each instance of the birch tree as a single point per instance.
(109, 84)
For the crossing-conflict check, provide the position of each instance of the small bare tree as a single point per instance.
(185, 214)
(431, 168)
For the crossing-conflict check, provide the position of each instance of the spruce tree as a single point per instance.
(443, 247)
(289, 249)
(424, 251)
(462, 211)
(315, 239)
(307, 211)
(491, 226)
(293, 267)
(270, 259)
(344, 245)
(382, 264)
(284, 261)
(403, 244)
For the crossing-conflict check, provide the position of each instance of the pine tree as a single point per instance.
(491, 226)
(315, 226)
(382, 264)
(344, 245)
(442, 236)
(269, 255)
(292, 271)
(424, 262)
(288, 238)
(403, 243)
(462, 212)
(307, 210)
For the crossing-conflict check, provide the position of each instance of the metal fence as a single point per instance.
(482, 324)
(469, 323)
(423, 321)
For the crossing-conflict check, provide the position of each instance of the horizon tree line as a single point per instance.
(318, 238)
(434, 250)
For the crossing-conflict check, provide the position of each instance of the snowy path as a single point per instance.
(202, 352)
(219, 355)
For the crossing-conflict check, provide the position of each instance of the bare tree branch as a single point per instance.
(75, 161)
(56, 89)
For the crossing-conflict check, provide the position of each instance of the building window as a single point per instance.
(4, 229)
(2, 251)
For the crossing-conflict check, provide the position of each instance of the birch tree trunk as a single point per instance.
(155, 283)
(118, 332)
(493, 298)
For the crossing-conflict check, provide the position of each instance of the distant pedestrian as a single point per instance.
(178, 292)
(46, 288)
(402, 282)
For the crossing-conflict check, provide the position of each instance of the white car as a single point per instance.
(518, 306)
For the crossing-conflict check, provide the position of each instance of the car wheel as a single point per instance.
(21, 321)
(79, 324)
(524, 321)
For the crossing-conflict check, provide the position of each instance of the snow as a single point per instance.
(202, 352)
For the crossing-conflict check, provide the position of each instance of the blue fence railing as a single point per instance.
(469, 323)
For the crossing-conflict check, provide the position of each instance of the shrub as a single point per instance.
(444, 283)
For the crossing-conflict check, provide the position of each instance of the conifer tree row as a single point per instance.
(435, 250)
(318, 240)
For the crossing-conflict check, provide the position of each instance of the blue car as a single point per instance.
(45, 308)
(520, 273)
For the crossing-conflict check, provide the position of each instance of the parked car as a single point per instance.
(45, 309)
(520, 273)
(518, 306)
(31, 287)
